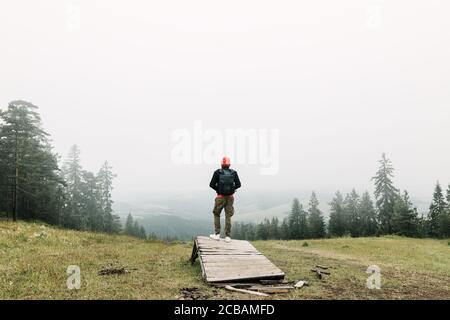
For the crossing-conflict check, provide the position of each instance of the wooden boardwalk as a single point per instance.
(234, 261)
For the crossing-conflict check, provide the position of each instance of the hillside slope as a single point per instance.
(34, 259)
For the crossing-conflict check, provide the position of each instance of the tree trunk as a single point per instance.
(16, 182)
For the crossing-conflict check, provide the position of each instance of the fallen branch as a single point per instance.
(279, 289)
(230, 288)
(321, 271)
(322, 267)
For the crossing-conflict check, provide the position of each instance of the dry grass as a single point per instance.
(34, 259)
(410, 268)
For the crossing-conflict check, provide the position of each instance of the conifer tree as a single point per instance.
(274, 232)
(29, 168)
(262, 230)
(297, 221)
(438, 208)
(368, 215)
(142, 233)
(284, 229)
(105, 178)
(351, 209)
(337, 223)
(129, 223)
(73, 177)
(294, 220)
(386, 194)
(316, 222)
(405, 217)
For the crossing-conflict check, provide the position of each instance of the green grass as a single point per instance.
(34, 259)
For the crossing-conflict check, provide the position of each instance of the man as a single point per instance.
(224, 181)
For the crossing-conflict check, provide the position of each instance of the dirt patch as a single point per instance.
(113, 268)
(194, 293)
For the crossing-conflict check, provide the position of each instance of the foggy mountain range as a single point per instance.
(185, 215)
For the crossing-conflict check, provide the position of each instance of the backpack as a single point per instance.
(226, 182)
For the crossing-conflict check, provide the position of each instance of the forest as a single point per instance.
(392, 213)
(37, 185)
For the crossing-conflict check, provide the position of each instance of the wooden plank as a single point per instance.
(244, 264)
(232, 256)
(236, 269)
(232, 278)
(241, 273)
(228, 253)
(246, 291)
(238, 260)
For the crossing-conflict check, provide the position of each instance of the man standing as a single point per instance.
(224, 181)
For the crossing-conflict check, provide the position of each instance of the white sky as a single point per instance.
(343, 81)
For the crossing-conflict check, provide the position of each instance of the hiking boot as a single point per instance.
(215, 236)
(227, 239)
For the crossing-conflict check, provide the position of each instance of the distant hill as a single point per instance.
(170, 226)
(187, 214)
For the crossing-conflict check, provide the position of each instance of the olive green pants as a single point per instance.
(220, 203)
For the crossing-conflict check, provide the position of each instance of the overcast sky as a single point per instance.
(341, 81)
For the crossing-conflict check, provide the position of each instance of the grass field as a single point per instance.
(34, 259)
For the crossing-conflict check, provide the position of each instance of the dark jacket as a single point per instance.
(215, 179)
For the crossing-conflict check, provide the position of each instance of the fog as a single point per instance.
(340, 81)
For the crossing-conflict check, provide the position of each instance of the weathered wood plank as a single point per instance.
(246, 291)
(233, 278)
(238, 260)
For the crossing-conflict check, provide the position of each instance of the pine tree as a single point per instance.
(262, 230)
(422, 226)
(105, 178)
(251, 231)
(128, 230)
(236, 231)
(294, 219)
(405, 221)
(274, 232)
(297, 221)
(72, 172)
(437, 209)
(136, 228)
(284, 229)
(244, 231)
(142, 233)
(337, 223)
(29, 167)
(91, 215)
(444, 221)
(386, 194)
(444, 225)
(351, 209)
(316, 223)
(448, 197)
(368, 215)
